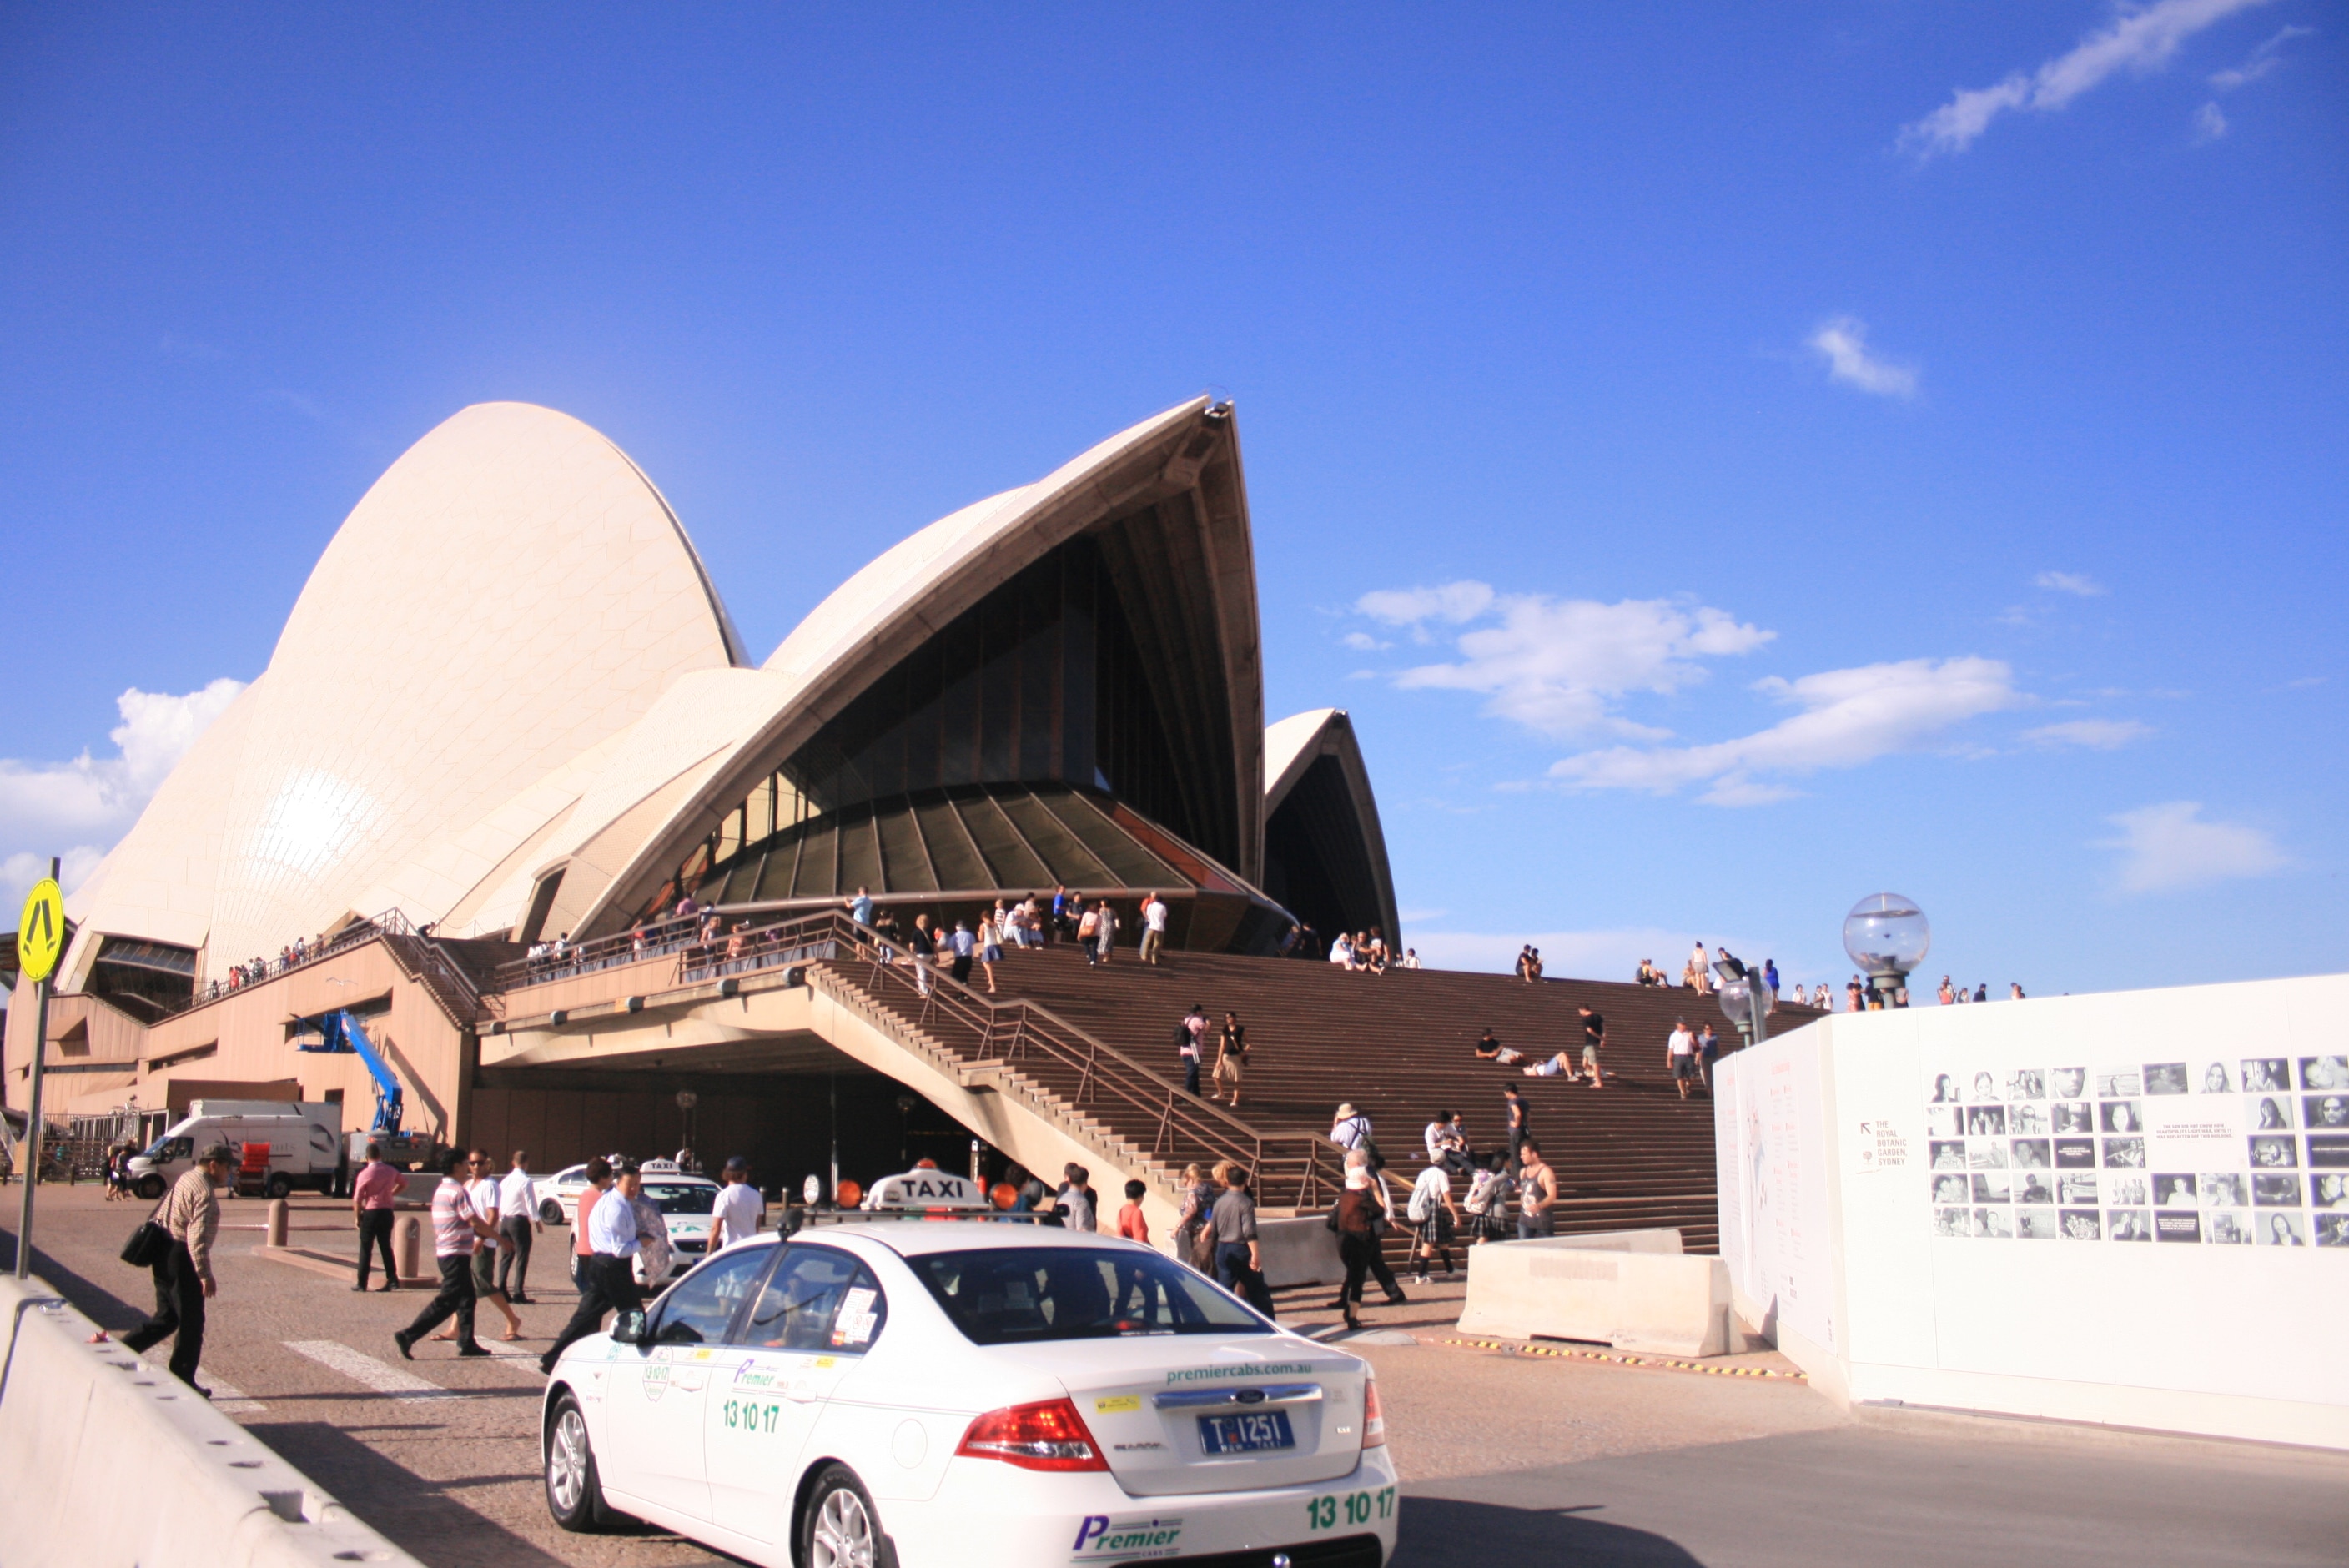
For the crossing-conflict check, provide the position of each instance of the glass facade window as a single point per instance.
(1040, 681)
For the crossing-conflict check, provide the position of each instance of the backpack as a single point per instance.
(1480, 1193)
(1422, 1206)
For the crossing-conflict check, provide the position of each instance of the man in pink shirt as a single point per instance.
(372, 1193)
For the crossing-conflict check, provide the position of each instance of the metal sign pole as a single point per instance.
(32, 1132)
(33, 1108)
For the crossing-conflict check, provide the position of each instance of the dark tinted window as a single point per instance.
(1012, 1295)
(817, 1299)
(698, 1308)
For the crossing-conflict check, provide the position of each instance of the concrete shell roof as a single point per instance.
(1292, 746)
(511, 594)
(885, 609)
(510, 661)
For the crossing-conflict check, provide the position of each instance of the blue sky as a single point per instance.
(1729, 461)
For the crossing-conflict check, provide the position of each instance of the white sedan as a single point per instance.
(968, 1393)
(687, 1205)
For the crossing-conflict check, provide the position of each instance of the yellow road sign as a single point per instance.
(41, 933)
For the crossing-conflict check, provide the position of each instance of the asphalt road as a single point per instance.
(1510, 1460)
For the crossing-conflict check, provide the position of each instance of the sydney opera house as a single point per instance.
(510, 704)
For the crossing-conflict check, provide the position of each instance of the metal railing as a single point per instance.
(1288, 1167)
(569, 960)
(1150, 1109)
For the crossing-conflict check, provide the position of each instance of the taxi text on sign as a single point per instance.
(41, 933)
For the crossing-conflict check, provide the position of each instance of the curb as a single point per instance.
(1660, 1364)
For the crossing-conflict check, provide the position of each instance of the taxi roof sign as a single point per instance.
(920, 1189)
(41, 931)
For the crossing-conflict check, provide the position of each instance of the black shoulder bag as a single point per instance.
(150, 1244)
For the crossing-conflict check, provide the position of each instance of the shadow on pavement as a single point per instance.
(113, 1313)
(413, 1512)
(1451, 1532)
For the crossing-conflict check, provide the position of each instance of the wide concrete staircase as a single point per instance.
(1400, 1047)
(1095, 1048)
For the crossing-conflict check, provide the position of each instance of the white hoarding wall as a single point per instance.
(1771, 1152)
(2129, 1208)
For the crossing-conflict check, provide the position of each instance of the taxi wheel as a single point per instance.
(840, 1529)
(575, 1492)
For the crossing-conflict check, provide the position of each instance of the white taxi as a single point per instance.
(898, 1394)
(687, 1205)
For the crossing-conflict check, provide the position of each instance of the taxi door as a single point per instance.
(805, 1332)
(656, 1392)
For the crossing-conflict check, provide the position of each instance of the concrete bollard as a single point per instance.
(408, 1246)
(279, 1210)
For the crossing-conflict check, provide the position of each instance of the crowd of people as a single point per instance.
(1438, 1215)
(1367, 953)
(253, 971)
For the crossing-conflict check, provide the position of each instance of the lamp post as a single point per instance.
(1746, 1001)
(686, 1100)
(1887, 936)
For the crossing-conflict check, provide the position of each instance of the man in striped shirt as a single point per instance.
(457, 1227)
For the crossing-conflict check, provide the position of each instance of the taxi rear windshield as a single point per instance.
(680, 1197)
(1019, 1295)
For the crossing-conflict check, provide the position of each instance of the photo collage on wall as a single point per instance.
(2239, 1152)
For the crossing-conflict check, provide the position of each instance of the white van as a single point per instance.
(304, 1140)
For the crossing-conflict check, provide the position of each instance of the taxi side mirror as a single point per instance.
(628, 1328)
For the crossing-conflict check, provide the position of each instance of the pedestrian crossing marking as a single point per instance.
(360, 1368)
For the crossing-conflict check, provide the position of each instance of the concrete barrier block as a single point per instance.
(1303, 1251)
(111, 1460)
(1630, 1290)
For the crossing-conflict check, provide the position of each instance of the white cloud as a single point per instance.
(2087, 587)
(1842, 343)
(1455, 602)
(2209, 125)
(2140, 39)
(94, 800)
(20, 870)
(2100, 734)
(1363, 643)
(1849, 718)
(1557, 665)
(2260, 61)
(2167, 847)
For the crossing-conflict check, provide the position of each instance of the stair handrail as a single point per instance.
(1021, 1024)
(1007, 1029)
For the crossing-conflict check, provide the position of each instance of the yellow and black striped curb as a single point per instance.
(1661, 1364)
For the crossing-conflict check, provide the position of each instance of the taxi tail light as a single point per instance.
(1046, 1436)
(1374, 1417)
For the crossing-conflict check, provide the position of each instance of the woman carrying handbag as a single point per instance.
(1355, 1217)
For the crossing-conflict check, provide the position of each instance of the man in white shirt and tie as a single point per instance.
(608, 1283)
(517, 1222)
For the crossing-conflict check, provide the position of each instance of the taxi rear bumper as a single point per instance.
(986, 1514)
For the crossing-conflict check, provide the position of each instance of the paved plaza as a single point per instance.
(1509, 1457)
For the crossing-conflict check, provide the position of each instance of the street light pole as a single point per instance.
(1887, 936)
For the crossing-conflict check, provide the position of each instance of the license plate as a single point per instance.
(1250, 1433)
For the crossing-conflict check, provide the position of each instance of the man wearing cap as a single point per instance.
(183, 1277)
(607, 1281)
(735, 1215)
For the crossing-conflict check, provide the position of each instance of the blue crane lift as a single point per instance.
(341, 1034)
